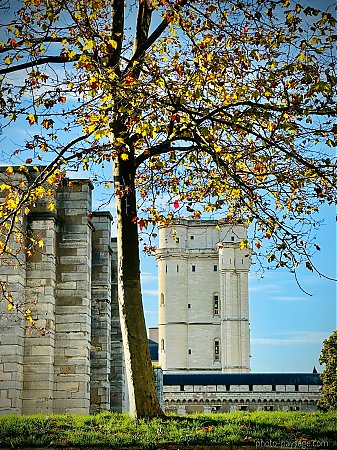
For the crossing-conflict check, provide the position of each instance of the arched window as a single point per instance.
(162, 299)
(216, 304)
(217, 350)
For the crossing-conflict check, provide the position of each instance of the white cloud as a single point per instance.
(265, 287)
(290, 298)
(148, 276)
(294, 338)
(150, 292)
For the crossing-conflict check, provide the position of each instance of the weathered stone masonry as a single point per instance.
(77, 367)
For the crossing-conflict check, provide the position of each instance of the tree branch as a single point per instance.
(39, 62)
(160, 149)
(152, 38)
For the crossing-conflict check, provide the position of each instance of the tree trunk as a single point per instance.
(141, 384)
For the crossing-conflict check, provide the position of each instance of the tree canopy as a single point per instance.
(226, 105)
(328, 357)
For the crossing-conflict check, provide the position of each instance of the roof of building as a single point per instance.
(204, 379)
(153, 346)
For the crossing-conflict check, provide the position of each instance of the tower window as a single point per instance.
(216, 304)
(250, 388)
(232, 238)
(216, 350)
(162, 299)
(182, 387)
(273, 388)
(215, 267)
(166, 268)
(189, 351)
(192, 237)
(228, 387)
(296, 387)
(193, 268)
(162, 345)
(177, 240)
(189, 306)
(177, 268)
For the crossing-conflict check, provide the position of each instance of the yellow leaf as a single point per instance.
(31, 119)
(40, 243)
(8, 60)
(9, 170)
(124, 156)
(243, 244)
(89, 45)
(9, 306)
(51, 206)
(113, 43)
(271, 126)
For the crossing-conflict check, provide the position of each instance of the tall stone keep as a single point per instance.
(203, 297)
(69, 284)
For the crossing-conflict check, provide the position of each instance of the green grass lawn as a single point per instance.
(118, 430)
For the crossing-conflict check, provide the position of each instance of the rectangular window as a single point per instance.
(268, 408)
(189, 351)
(215, 305)
(296, 387)
(177, 268)
(273, 388)
(294, 408)
(216, 350)
(193, 268)
(228, 387)
(189, 306)
(250, 388)
(166, 268)
(182, 387)
(192, 237)
(232, 238)
(215, 268)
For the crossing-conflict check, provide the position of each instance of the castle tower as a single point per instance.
(203, 297)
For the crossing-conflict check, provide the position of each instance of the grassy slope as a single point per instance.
(118, 430)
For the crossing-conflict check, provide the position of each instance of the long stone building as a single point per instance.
(69, 284)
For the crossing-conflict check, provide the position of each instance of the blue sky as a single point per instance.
(288, 326)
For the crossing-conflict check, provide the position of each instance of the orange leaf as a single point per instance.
(12, 42)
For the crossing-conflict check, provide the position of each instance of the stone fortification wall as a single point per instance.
(77, 366)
